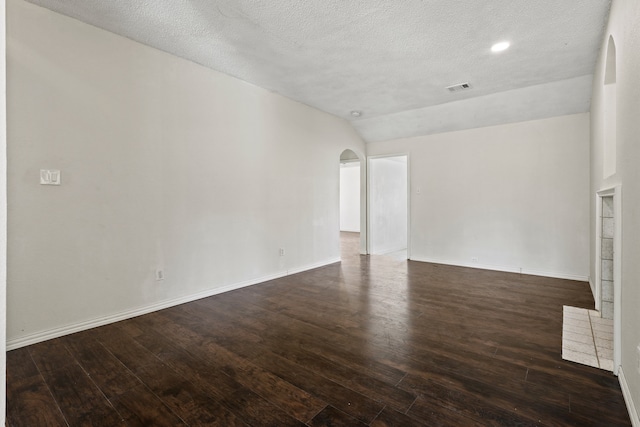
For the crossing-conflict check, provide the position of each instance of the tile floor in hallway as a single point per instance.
(587, 338)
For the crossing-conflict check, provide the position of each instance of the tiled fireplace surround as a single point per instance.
(606, 258)
(587, 335)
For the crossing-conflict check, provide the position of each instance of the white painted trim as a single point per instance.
(128, 314)
(628, 399)
(616, 192)
(305, 268)
(368, 192)
(364, 206)
(3, 212)
(350, 162)
(390, 250)
(409, 196)
(597, 289)
(617, 278)
(368, 209)
(350, 231)
(555, 275)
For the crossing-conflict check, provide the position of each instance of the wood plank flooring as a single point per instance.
(372, 341)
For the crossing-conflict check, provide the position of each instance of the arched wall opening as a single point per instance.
(353, 209)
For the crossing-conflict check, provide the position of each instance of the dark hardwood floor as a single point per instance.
(370, 341)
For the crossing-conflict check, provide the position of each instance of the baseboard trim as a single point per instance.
(519, 270)
(313, 266)
(128, 314)
(386, 251)
(626, 393)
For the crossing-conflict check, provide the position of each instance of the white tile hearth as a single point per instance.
(587, 338)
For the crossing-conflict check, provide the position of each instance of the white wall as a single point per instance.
(3, 216)
(624, 26)
(165, 164)
(350, 197)
(388, 204)
(514, 196)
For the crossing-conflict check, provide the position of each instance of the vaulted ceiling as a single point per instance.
(391, 60)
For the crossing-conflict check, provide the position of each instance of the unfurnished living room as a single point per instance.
(320, 213)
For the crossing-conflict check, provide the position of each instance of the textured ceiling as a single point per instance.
(391, 59)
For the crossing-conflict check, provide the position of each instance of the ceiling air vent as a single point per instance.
(459, 87)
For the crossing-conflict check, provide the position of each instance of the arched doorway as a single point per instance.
(352, 204)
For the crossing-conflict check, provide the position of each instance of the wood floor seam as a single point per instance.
(98, 387)
(49, 390)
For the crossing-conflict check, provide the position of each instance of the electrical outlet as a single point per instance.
(159, 275)
(281, 252)
(49, 177)
(474, 259)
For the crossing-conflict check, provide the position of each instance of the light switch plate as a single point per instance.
(49, 177)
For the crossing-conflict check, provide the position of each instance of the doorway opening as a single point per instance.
(388, 206)
(352, 209)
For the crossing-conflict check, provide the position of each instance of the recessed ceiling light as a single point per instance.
(356, 113)
(499, 47)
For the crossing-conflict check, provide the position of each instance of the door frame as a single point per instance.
(616, 193)
(369, 159)
(362, 160)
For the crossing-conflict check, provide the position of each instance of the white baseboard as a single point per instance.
(390, 250)
(311, 266)
(128, 314)
(526, 271)
(631, 407)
